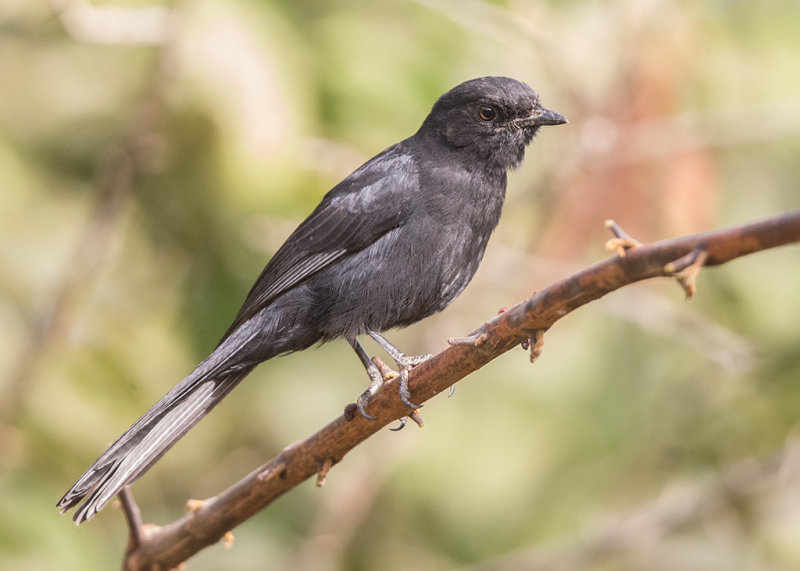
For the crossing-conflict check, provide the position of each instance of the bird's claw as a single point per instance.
(413, 415)
(405, 394)
(380, 373)
(376, 382)
(403, 422)
(361, 405)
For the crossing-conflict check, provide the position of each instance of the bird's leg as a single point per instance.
(404, 363)
(376, 380)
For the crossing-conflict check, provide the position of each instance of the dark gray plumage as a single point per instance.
(393, 243)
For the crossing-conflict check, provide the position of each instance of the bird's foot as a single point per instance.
(379, 373)
(405, 394)
(404, 364)
(375, 384)
(403, 391)
(410, 361)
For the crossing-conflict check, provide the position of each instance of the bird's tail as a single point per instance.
(149, 438)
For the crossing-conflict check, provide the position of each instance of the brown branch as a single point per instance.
(166, 547)
(133, 517)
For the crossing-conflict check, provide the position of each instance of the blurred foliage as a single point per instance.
(233, 118)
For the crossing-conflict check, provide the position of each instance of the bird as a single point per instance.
(394, 242)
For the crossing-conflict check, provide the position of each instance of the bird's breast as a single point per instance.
(419, 267)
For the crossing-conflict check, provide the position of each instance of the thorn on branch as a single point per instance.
(470, 340)
(133, 517)
(535, 343)
(621, 242)
(324, 468)
(194, 506)
(227, 540)
(278, 469)
(686, 268)
(385, 370)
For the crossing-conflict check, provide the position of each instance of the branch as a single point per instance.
(208, 521)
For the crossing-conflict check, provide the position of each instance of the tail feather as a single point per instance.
(147, 440)
(164, 424)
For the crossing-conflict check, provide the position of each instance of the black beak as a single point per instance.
(547, 117)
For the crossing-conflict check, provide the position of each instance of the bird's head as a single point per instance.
(489, 120)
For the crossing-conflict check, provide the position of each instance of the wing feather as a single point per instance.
(353, 215)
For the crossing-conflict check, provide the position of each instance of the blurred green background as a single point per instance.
(154, 155)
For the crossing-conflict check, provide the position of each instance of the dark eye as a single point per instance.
(487, 112)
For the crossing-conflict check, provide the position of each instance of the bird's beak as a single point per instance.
(546, 117)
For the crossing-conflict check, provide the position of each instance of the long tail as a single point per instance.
(146, 441)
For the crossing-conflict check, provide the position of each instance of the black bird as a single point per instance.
(394, 242)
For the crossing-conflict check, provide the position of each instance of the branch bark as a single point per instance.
(208, 521)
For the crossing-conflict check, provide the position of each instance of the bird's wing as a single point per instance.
(353, 215)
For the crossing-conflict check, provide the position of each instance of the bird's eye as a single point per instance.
(487, 112)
